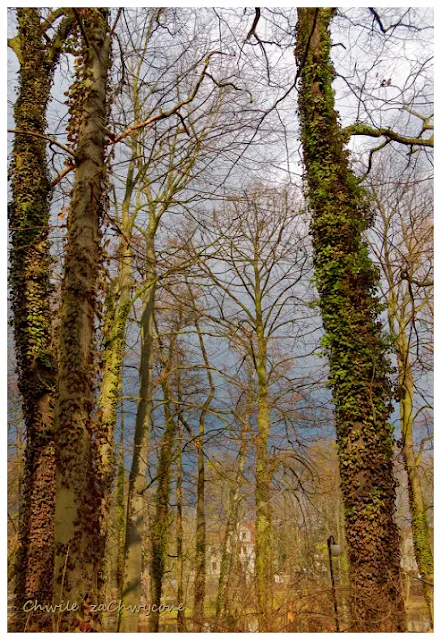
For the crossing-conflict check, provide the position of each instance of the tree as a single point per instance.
(30, 271)
(229, 551)
(160, 528)
(359, 370)
(78, 542)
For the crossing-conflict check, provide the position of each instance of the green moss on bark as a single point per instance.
(354, 342)
(30, 292)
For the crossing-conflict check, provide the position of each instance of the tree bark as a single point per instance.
(359, 369)
(264, 563)
(131, 594)
(30, 265)
(200, 560)
(78, 540)
(161, 525)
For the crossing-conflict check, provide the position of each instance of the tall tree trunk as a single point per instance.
(131, 593)
(120, 509)
(78, 540)
(30, 287)
(200, 560)
(264, 564)
(118, 303)
(226, 557)
(161, 524)
(200, 568)
(359, 370)
(179, 526)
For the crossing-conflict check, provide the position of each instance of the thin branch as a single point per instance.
(172, 111)
(252, 31)
(421, 451)
(44, 137)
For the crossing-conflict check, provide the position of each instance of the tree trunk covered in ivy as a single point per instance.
(359, 370)
(30, 263)
(133, 561)
(79, 544)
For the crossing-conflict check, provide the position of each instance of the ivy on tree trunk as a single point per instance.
(30, 265)
(78, 536)
(359, 369)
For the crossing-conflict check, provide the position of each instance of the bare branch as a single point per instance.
(252, 31)
(41, 135)
(393, 136)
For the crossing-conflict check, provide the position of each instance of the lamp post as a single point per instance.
(333, 552)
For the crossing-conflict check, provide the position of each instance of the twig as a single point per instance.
(172, 111)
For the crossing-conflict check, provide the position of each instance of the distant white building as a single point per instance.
(245, 541)
(246, 549)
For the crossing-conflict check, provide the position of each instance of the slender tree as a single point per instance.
(229, 541)
(160, 529)
(200, 556)
(179, 524)
(255, 270)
